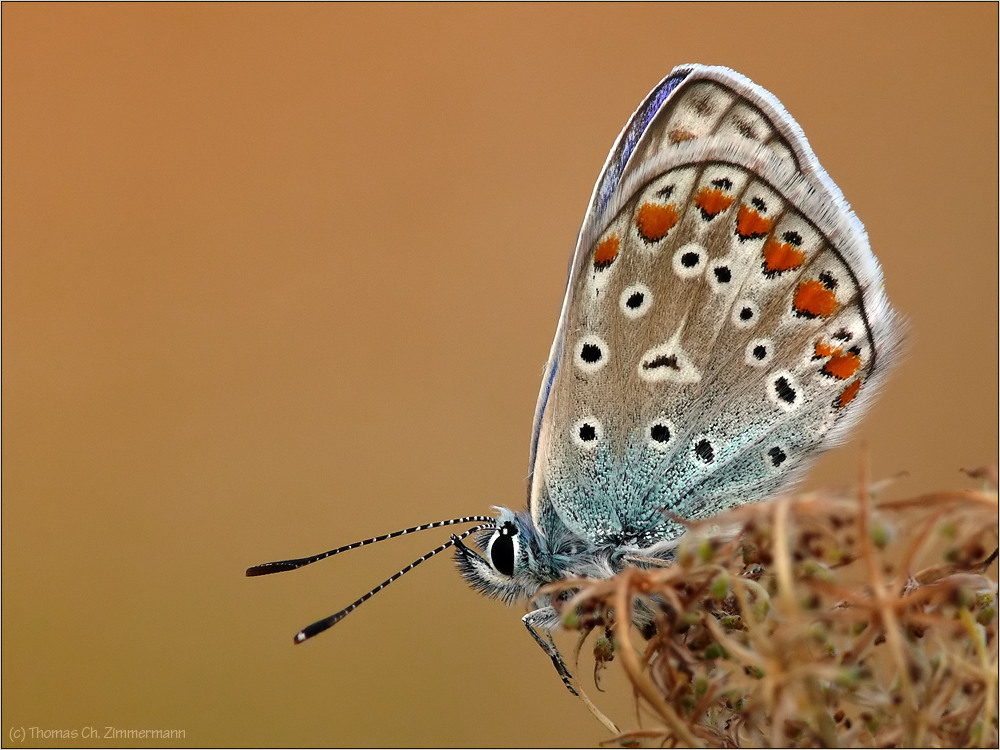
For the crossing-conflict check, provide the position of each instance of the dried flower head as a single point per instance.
(818, 620)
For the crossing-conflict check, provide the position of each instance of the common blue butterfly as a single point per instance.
(724, 322)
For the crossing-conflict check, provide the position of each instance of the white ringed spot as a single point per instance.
(703, 451)
(591, 353)
(668, 362)
(635, 301)
(587, 432)
(775, 456)
(720, 274)
(689, 260)
(661, 434)
(784, 390)
(745, 314)
(759, 352)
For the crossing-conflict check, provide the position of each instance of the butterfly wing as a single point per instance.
(724, 319)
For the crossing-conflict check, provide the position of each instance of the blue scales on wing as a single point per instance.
(724, 321)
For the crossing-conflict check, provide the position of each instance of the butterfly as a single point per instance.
(724, 322)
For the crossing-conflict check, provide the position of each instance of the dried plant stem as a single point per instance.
(913, 722)
(623, 608)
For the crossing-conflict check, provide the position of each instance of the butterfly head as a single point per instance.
(513, 563)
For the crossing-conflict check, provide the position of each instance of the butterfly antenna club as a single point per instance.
(279, 566)
(327, 622)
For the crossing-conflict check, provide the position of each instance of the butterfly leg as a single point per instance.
(541, 620)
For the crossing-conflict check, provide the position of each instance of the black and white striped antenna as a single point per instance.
(483, 523)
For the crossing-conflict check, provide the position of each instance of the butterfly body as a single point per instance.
(724, 322)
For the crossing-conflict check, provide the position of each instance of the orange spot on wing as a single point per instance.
(606, 253)
(677, 135)
(781, 256)
(824, 349)
(654, 221)
(842, 366)
(750, 224)
(813, 300)
(847, 395)
(712, 201)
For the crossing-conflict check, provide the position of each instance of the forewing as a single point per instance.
(724, 319)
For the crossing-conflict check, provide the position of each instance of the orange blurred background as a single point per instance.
(281, 277)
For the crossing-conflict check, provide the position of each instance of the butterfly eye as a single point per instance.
(503, 548)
